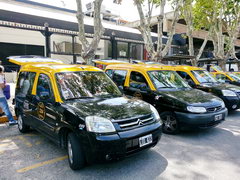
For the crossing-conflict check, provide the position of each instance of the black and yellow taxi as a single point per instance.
(80, 108)
(200, 78)
(227, 77)
(179, 105)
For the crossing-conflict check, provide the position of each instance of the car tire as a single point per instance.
(170, 123)
(76, 156)
(22, 127)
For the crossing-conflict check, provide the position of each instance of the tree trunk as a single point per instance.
(172, 31)
(89, 49)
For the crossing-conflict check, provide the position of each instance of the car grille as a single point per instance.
(134, 122)
(214, 109)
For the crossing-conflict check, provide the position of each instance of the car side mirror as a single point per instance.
(144, 87)
(121, 88)
(227, 81)
(191, 83)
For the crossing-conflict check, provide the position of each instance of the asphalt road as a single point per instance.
(208, 154)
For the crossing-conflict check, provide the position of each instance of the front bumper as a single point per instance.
(232, 103)
(205, 120)
(115, 146)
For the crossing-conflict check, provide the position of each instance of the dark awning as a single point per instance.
(177, 57)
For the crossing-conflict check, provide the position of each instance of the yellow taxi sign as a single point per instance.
(23, 60)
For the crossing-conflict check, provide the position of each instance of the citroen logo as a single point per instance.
(139, 122)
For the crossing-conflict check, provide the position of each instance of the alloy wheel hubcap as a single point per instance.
(170, 123)
(70, 154)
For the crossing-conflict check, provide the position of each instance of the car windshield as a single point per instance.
(77, 85)
(236, 78)
(204, 76)
(167, 79)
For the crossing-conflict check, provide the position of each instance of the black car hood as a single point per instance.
(221, 86)
(111, 108)
(192, 97)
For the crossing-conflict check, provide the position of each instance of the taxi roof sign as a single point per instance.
(23, 60)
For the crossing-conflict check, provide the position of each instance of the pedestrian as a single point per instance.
(3, 100)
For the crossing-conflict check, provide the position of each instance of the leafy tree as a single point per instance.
(145, 26)
(216, 17)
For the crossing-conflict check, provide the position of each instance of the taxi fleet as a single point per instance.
(180, 106)
(81, 109)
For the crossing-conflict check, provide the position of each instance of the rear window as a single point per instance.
(25, 83)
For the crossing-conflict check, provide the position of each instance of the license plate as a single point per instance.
(218, 117)
(145, 140)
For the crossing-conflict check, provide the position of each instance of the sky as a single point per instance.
(126, 10)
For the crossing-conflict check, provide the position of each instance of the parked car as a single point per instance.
(227, 77)
(179, 105)
(201, 79)
(80, 108)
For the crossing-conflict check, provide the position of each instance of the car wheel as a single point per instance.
(170, 123)
(76, 157)
(22, 125)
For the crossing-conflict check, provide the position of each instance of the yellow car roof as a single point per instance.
(23, 60)
(147, 67)
(54, 68)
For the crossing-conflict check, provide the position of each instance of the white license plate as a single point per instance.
(145, 140)
(218, 117)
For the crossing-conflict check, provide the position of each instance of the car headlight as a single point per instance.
(155, 114)
(99, 124)
(223, 104)
(228, 93)
(195, 109)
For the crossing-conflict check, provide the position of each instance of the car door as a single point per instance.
(139, 87)
(23, 95)
(46, 112)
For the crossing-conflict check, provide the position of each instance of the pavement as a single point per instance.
(207, 154)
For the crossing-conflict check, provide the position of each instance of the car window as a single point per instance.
(119, 77)
(25, 83)
(44, 88)
(137, 80)
(185, 77)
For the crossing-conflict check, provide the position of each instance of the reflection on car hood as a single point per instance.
(224, 86)
(193, 97)
(111, 108)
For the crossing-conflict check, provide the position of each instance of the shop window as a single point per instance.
(122, 49)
